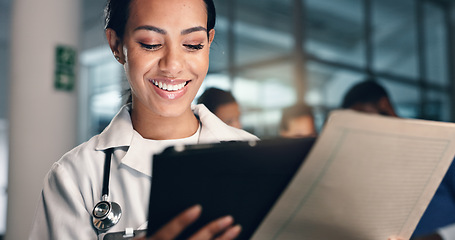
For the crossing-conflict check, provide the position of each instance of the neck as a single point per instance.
(152, 126)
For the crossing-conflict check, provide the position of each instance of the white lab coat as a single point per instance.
(73, 185)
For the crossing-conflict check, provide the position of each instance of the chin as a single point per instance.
(172, 112)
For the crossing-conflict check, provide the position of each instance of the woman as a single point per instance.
(164, 47)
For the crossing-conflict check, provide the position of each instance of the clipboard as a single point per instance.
(242, 179)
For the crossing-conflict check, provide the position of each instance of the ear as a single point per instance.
(211, 36)
(116, 45)
(386, 106)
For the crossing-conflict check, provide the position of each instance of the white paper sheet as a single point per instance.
(368, 177)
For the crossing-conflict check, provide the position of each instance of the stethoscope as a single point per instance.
(105, 213)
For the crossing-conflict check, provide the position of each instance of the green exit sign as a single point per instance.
(65, 67)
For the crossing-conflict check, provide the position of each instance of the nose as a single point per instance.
(171, 63)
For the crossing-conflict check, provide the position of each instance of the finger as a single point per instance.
(173, 228)
(231, 233)
(213, 228)
(395, 238)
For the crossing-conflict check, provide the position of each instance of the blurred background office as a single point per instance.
(270, 53)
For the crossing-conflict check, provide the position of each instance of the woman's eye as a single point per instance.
(194, 46)
(150, 46)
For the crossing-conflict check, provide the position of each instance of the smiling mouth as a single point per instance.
(169, 87)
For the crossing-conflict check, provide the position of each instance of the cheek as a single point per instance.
(137, 65)
(199, 64)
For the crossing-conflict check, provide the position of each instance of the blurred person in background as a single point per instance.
(297, 121)
(370, 97)
(438, 221)
(223, 105)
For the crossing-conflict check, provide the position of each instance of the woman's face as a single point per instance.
(229, 113)
(165, 51)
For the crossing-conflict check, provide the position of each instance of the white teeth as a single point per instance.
(168, 87)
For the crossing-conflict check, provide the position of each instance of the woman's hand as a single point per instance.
(173, 228)
(395, 238)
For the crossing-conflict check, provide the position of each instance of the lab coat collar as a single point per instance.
(138, 156)
(119, 133)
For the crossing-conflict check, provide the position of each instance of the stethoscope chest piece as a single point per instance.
(106, 214)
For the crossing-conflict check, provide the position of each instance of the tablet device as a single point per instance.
(242, 179)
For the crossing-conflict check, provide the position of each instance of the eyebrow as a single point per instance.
(193, 29)
(151, 28)
(162, 31)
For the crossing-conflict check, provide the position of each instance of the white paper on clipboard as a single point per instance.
(368, 177)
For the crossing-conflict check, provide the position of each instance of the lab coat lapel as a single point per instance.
(118, 133)
(139, 156)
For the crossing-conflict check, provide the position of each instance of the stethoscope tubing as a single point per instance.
(106, 214)
(107, 170)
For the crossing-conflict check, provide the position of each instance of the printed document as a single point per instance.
(367, 177)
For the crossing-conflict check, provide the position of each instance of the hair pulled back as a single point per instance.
(116, 15)
(212, 98)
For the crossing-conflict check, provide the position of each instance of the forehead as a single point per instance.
(168, 12)
(228, 108)
(366, 107)
(301, 122)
